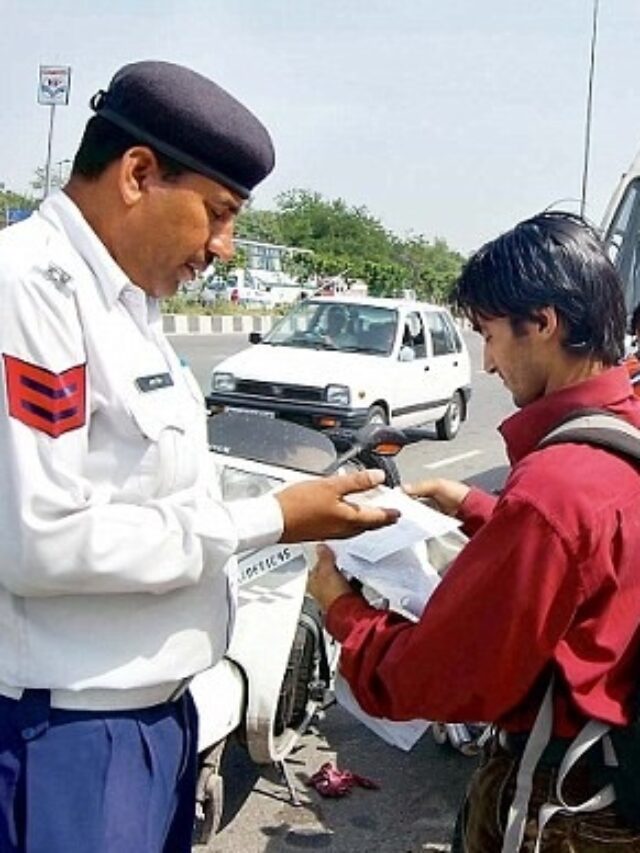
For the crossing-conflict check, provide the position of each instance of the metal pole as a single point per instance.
(47, 173)
(587, 132)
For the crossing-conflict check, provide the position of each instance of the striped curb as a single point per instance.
(215, 324)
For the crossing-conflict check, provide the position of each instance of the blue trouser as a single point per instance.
(96, 782)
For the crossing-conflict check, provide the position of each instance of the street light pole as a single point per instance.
(587, 130)
(53, 89)
(47, 172)
(62, 171)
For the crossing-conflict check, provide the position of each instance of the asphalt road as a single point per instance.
(415, 807)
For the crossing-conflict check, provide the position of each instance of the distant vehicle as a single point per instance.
(621, 228)
(347, 361)
(215, 290)
(250, 296)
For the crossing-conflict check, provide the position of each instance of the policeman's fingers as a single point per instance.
(357, 481)
(358, 518)
(317, 509)
(362, 515)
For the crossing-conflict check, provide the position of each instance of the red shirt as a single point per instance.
(552, 573)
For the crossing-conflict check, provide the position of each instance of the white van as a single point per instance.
(349, 360)
(621, 229)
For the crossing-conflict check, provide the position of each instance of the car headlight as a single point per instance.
(237, 485)
(338, 395)
(223, 382)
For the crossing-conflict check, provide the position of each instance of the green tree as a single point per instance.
(262, 225)
(10, 199)
(223, 269)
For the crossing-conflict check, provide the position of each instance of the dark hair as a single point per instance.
(554, 259)
(635, 320)
(103, 142)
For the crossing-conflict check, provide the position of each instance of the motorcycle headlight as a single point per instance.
(223, 382)
(237, 484)
(338, 395)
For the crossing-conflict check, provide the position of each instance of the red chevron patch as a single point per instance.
(53, 403)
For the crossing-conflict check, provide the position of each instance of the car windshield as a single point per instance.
(343, 326)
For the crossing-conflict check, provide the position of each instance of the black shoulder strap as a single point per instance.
(597, 427)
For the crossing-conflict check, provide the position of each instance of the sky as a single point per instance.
(451, 119)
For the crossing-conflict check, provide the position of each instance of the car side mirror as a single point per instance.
(406, 354)
(255, 337)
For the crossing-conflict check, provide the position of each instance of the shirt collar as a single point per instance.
(609, 390)
(110, 278)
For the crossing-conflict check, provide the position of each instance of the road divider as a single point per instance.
(215, 324)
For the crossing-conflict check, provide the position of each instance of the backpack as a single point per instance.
(621, 745)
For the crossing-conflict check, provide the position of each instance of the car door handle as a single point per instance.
(455, 363)
(428, 367)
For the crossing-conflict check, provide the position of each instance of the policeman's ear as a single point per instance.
(138, 170)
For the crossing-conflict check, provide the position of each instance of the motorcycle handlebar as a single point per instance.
(370, 435)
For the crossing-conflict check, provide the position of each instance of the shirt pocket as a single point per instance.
(165, 464)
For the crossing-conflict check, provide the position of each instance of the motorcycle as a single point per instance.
(279, 668)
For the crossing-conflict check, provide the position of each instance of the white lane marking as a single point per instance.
(451, 459)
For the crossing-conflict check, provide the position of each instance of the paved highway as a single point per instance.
(419, 791)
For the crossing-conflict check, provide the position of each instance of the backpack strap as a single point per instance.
(599, 428)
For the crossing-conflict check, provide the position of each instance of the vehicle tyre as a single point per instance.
(449, 425)
(209, 797)
(377, 415)
(294, 693)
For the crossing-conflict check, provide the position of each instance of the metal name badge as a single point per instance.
(57, 275)
(154, 382)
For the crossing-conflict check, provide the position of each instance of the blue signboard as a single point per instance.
(16, 214)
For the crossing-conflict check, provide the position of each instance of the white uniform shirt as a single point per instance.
(116, 566)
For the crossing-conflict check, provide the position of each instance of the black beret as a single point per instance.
(190, 119)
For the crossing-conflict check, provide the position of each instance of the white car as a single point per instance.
(347, 361)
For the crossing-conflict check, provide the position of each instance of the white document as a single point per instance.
(405, 578)
(416, 523)
(394, 562)
(403, 734)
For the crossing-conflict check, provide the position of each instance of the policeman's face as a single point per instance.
(519, 356)
(175, 226)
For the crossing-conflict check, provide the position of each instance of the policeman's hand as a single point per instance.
(445, 495)
(317, 509)
(325, 582)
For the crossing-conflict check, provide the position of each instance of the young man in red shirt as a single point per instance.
(549, 583)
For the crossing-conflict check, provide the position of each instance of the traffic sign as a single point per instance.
(16, 214)
(54, 84)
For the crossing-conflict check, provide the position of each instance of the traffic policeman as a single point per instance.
(116, 559)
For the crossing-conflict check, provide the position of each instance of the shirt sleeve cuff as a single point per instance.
(344, 614)
(476, 509)
(258, 521)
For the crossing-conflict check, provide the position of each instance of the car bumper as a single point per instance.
(307, 414)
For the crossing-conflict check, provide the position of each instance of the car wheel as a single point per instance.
(448, 426)
(377, 415)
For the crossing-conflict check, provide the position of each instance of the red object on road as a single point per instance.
(331, 782)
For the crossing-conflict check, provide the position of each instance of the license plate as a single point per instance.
(265, 561)
(263, 413)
